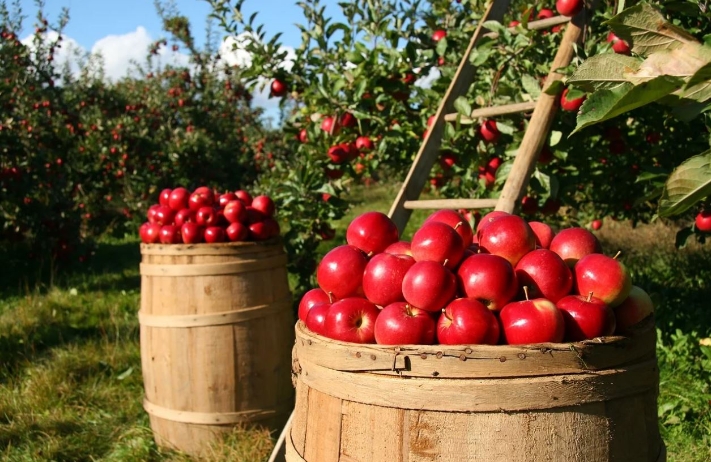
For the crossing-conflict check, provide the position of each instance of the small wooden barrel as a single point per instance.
(216, 339)
(590, 401)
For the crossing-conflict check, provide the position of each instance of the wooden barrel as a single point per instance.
(590, 401)
(216, 338)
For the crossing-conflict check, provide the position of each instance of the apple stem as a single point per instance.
(589, 297)
(408, 309)
(330, 298)
(525, 291)
(617, 255)
(458, 225)
(446, 260)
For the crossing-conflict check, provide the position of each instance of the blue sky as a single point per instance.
(122, 29)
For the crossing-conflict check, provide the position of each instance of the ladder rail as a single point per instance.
(427, 154)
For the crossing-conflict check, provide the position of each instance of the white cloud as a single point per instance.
(427, 80)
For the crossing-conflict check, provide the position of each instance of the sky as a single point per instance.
(123, 29)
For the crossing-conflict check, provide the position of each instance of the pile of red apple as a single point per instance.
(513, 282)
(205, 215)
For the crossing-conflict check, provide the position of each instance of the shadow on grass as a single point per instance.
(106, 270)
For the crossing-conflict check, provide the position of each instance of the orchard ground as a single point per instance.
(70, 378)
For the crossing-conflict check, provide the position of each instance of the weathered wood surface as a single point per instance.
(216, 335)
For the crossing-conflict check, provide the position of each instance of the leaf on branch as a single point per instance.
(462, 106)
(607, 71)
(531, 85)
(606, 104)
(683, 62)
(698, 87)
(688, 183)
(647, 30)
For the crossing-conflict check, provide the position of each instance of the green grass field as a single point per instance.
(70, 377)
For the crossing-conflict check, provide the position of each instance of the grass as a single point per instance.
(71, 386)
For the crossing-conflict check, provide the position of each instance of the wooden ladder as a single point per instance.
(544, 110)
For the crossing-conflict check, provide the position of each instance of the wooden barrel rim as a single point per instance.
(213, 269)
(213, 319)
(222, 248)
(471, 361)
(206, 418)
(480, 395)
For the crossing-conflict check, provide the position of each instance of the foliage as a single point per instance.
(384, 68)
(82, 155)
(669, 66)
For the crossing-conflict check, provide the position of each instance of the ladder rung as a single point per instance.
(451, 204)
(537, 24)
(492, 111)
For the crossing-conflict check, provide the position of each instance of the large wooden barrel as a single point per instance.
(216, 338)
(591, 401)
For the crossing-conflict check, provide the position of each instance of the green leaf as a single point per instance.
(606, 71)
(531, 85)
(554, 88)
(689, 183)
(556, 136)
(442, 47)
(647, 31)
(504, 128)
(698, 87)
(462, 106)
(606, 104)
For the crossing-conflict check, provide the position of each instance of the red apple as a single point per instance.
(303, 136)
(363, 143)
(545, 274)
(272, 226)
(206, 216)
(235, 211)
(467, 322)
(572, 244)
(529, 205)
(544, 233)
(596, 224)
(340, 272)
(489, 279)
(164, 215)
(316, 318)
(170, 234)
(352, 320)
(264, 204)
(192, 233)
(151, 213)
(179, 199)
(150, 233)
(489, 218)
(204, 198)
(225, 198)
(278, 88)
(703, 221)
(456, 221)
(263, 230)
(237, 232)
(382, 278)
(606, 277)
(347, 120)
(634, 309)
(184, 216)
(618, 45)
(244, 196)
(399, 248)
(532, 321)
(329, 125)
(586, 317)
(338, 153)
(493, 165)
(402, 324)
(569, 7)
(447, 160)
(571, 105)
(438, 242)
(439, 35)
(489, 132)
(507, 236)
(372, 232)
(164, 197)
(214, 234)
(429, 285)
(310, 299)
